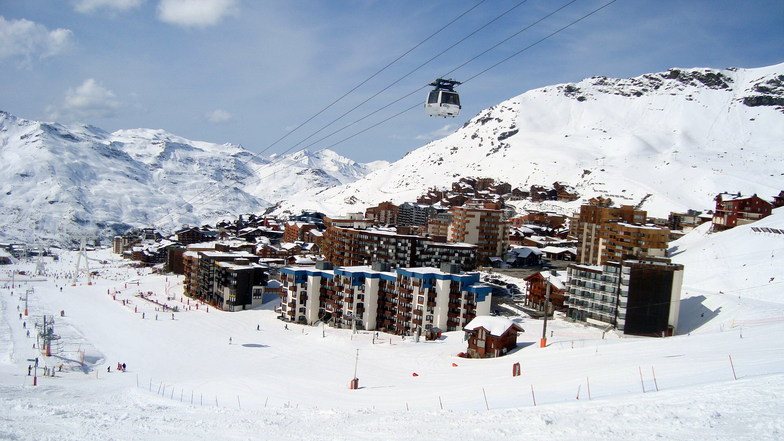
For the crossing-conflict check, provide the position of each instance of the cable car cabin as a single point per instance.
(443, 100)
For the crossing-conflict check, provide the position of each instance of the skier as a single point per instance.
(229, 340)
(123, 366)
(257, 327)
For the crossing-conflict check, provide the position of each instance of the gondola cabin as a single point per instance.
(443, 100)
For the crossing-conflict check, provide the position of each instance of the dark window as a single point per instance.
(433, 97)
(450, 98)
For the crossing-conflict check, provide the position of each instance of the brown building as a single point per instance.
(606, 234)
(735, 209)
(354, 246)
(536, 290)
(384, 213)
(297, 231)
(483, 225)
(490, 337)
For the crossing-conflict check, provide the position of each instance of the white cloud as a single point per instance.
(88, 6)
(25, 40)
(437, 134)
(86, 102)
(218, 116)
(196, 13)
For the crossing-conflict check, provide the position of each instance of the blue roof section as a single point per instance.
(364, 271)
(427, 275)
(300, 274)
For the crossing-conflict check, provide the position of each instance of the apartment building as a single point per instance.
(637, 296)
(620, 240)
(354, 246)
(228, 280)
(606, 233)
(404, 301)
(385, 213)
(483, 225)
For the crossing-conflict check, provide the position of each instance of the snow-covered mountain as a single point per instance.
(669, 140)
(72, 180)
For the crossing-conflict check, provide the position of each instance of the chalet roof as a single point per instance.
(559, 250)
(496, 326)
(524, 252)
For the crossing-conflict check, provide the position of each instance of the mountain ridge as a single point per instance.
(627, 139)
(666, 141)
(71, 180)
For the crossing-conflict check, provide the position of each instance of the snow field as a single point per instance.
(278, 383)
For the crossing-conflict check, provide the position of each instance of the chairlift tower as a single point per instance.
(82, 253)
(40, 265)
(46, 335)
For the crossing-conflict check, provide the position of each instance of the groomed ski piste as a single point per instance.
(204, 374)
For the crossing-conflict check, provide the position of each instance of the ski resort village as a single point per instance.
(441, 220)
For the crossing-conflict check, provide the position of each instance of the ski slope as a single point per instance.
(185, 380)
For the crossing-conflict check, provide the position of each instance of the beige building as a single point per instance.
(606, 234)
(482, 225)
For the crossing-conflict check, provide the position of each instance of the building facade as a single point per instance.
(606, 234)
(406, 301)
(482, 226)
(490, 337)
(355, 247)
(640, 297)
(735, 209)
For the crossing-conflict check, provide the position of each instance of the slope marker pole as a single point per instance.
(732, 365)
(641, 382)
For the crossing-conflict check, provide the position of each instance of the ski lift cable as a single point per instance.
(407, 75)
(548, 36)
(510, 37)
(258, 154)
(371, 77)
(453, 70)
(557, 31)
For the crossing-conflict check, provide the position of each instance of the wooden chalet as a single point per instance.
(536, 289)
(490, 337)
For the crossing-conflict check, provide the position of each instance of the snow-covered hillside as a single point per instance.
(187, 380)
(680, 136)
(669, 140)
(70, 180)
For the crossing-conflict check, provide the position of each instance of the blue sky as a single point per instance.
(249, 71)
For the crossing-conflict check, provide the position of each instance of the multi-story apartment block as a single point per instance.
(385, 213)
(482, 225)
(352, 247)
(621, 240)
(438, 225)
(297, 231)
(239, 284)
(640, 297)
(414, 214)
(735, 209)
(406, 301)
(228, 280)
(606, 233)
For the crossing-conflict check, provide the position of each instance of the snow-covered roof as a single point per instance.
(524, 252)
(558, 250)
(494, 325)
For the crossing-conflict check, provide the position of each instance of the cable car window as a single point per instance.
(432, 98)
(450, 98)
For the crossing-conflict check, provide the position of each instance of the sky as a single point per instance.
(277, 76)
